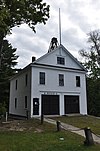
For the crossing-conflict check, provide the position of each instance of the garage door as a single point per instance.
(50, 104)
(71, 104)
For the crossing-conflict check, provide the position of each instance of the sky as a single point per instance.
(78, 18)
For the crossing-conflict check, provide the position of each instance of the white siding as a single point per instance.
(20, 93)
(51, 59)
(52, 86)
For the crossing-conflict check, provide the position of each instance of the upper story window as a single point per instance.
(26, 79)
(61, 80)
(42, 77)
(61, 60)
(77, 81)
(16, 84)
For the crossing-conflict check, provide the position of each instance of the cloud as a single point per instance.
(78, 17)
(28, 44)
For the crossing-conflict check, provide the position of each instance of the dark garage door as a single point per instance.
(50, 104)
(71, 104)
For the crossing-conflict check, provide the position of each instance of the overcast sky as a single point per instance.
(78, 17)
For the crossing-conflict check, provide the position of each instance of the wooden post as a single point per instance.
(42, 118)
(58, 126)
(27, 113)
(6, 116)
(89, 138)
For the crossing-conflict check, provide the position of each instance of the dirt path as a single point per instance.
(73, 129)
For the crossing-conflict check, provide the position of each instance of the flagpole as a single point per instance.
(59, 27)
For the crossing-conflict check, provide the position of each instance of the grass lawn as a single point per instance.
(32, 136)
(82, 122)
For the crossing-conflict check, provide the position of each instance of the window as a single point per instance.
(77, 81)
(61, 80)
(60, 60)
(26, 78)
(15, 103)
(25, 102)
(16, 85)
(42, 77)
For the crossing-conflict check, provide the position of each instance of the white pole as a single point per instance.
(59, 27)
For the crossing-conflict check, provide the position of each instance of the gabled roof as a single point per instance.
(37, 62)
(74, 58)
(68, 53)
(45, 55)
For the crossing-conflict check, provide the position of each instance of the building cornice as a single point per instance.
(57, 67)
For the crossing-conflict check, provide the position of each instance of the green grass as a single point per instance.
(49, 141)
(45, 140)
(82, 122)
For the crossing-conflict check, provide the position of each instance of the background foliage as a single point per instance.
(92, 64)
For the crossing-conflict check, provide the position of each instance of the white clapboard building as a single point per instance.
(54, 84)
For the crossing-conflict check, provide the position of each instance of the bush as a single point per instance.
(2, 109)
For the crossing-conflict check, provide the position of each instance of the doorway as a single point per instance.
(35, 106)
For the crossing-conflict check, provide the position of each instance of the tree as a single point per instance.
(92, 57)
(93, 96)
(6, 71)
(92, 64)
(16, 12)
(94, 40)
